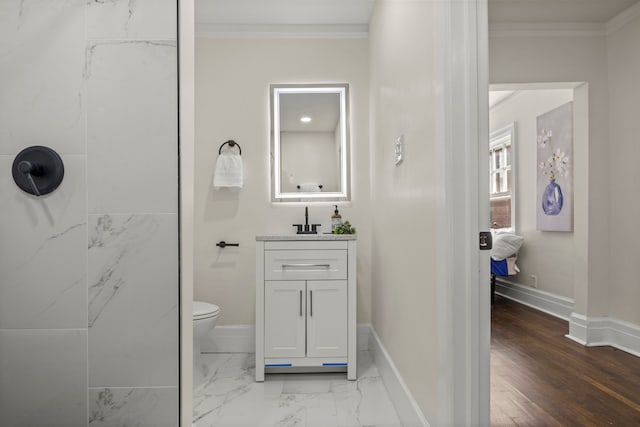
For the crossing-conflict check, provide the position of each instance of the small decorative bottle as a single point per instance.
(336, 219)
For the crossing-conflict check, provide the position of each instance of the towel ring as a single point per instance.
(231, 143)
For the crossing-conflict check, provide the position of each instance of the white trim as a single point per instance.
(599, 331)
(283, 31)
(186, 96)
(496, 139)
(364, 336)
(406, 406)
(549, 303)
(578, 328)
(230, 339)
(463, 310)
(536, 86)
(242, 339)
(622, 19)
(547, 29)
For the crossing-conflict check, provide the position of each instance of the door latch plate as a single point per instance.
(486, 241)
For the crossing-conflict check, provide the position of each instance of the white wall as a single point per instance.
(532, 59)
(402, 197)
(548, 255)
(309, 158)
(232, 102)
(623, 50)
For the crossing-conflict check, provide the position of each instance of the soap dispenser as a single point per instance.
(336, 219)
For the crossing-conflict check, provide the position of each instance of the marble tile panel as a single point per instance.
(133, 300)
(132, 141)
(43, 254)
(364, 402)
(139, 407)
(288, 400)
(132, 19)
(43, 374)
(42, 52)
(309, 383)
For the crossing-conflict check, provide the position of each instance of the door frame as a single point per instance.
(463, 315)
(186, 144)
(462, 135)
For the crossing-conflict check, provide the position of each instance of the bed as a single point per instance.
(504, 254)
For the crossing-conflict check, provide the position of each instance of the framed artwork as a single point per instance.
(555, 172)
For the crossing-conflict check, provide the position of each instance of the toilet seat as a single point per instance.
(204, 310)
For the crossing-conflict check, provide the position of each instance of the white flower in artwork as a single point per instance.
(557, 164)
(544, 137)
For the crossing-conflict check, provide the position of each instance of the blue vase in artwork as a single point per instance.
(552, 199)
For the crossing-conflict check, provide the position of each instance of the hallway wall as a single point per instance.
(403, 197)
(89, 273)
(623, 55)
(609, 64)
(537, 59)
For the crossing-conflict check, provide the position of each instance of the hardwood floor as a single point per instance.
(541, 378)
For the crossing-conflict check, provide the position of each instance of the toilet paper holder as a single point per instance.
(223, 244)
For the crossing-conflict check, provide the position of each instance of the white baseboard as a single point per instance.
(547, 302)
(242, 339)
(406, 406)
(598, 331)
(364, 335)
(231, 339)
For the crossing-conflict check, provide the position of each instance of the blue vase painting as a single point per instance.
(554, 181)
(552, 199)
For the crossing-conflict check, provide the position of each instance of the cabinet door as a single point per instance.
(327, 318)
(284, 319)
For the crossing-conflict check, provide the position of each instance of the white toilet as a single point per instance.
(205, 316)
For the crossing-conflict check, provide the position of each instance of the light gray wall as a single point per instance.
(610, 66)
(232, 102)
(536, 59)
(88, 274)
(547, 255)
(623, 50)
(403, 201)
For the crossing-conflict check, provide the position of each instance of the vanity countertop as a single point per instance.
(304, 237)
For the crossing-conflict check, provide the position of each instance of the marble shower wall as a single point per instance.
(89, 273)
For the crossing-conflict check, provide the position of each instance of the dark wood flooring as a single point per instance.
(541, 378)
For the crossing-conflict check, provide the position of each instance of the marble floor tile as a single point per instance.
(230, 397)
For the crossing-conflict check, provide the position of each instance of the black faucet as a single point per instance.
(306, 230)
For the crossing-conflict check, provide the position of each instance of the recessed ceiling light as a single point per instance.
(305, 119)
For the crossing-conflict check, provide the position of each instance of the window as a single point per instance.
(502, 178)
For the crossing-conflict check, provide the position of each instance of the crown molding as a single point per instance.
(330, 31)
(565, 29)
(623, 18)
(546, 29)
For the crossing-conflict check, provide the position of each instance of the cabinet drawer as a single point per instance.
(305, 265)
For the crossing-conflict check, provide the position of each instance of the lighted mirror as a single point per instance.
(310, 142)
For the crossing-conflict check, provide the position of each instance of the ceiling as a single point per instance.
(497, 96)
(237, 13)
(322, 108)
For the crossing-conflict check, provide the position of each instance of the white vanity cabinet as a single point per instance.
(305, 304)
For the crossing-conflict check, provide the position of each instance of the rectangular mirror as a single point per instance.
(310, 142)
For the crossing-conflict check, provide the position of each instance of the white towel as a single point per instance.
(228, 171)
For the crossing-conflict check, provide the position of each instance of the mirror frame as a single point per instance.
(345, 173)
